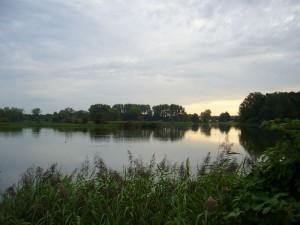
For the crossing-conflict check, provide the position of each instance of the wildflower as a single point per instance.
(210, 204)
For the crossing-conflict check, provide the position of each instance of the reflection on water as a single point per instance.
(14, 132)
(169, 134)
(255, 140)
(206, 129)
(20, 148)
(224, 128)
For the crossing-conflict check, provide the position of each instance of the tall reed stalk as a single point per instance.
(154, 193)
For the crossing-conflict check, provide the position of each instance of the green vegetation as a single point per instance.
(92, 125)
(225, 117)
(221, 192)
(257, 107)
(206, 116)
(157, 193)
(103, 114)
(11, 114)
(270, 193)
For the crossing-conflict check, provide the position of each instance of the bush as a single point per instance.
(271, 191)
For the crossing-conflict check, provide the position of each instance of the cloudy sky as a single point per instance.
(196, 53)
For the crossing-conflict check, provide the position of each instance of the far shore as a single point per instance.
(105, 125)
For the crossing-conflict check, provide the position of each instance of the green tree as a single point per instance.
(80, 116)
(65, 115)
(115, 115)
(133, 113)
(167, 112)
(99, 113)
(177, 112)
(161, 112)
(281, 105)
(224, 117)
(36, 113)
(11, 114)
(251, 108)
(146, 112)
(206, 116)
(195, 118)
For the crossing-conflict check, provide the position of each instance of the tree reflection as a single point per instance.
(125, 135)
(169, 134)
(256, 140)
(69, 132)
(36, 131)
(100, 135)
(11, 132)
(195, 127)
(224, 128)
(132, 135)
(206, 129)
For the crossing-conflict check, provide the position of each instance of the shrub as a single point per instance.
(271, 191)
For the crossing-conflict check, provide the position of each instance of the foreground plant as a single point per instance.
(271, 191)
(157, 193)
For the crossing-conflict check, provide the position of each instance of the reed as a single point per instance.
(153, 193)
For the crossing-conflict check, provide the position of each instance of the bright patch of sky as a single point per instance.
(206, 54)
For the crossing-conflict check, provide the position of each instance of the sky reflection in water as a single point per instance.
(22, 148)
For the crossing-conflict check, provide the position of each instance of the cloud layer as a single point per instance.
(71, 53)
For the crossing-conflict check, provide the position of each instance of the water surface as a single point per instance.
(22, 148)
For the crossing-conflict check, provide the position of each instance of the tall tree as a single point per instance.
(133, 113)
(99, 113)
(161, 112)
(281, 105)
(195, 118)
(11, 114)
(206, 116)
(177, 112)
(146, 111)
(36, 113)
(251, 108)
(81, 116)
(224, 117)
(65, 115)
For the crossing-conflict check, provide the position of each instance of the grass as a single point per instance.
(90, 124)
(153, 193)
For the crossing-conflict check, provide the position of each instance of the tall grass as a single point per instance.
(153, 193)
(221, 192)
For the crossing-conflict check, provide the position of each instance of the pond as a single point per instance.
(22, 148)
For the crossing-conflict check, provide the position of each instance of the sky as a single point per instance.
(201, 54)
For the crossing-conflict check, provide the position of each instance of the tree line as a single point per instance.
(258, 107)
(101, 113)
(255, 108)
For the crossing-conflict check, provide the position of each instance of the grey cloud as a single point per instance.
(164, 50)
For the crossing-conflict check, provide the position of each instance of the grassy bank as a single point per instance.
(107, 125)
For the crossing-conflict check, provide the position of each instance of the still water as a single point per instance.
(22, 148)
